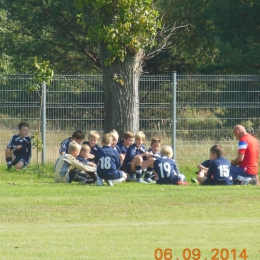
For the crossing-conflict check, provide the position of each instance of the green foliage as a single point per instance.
(222, 36)
(36, 141)
(190, 47)
(6, 61)
(42, 74)
(123, 25)
(49, 30)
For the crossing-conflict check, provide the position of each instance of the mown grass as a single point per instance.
(43, 220)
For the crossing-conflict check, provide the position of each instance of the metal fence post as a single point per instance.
(43, 122)
(174, 120)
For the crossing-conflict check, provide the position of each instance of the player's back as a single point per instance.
(166, 170)
(220, 167)
(108, 159)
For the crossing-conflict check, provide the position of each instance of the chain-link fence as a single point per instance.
(207, 108)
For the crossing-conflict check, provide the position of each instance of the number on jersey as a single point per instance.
(224, 170)
(105, 163)
(165, 167)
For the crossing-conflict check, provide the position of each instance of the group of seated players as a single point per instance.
(87, 162)
(115, 162)
(128, 159)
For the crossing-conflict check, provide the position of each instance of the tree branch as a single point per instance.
(164, 36)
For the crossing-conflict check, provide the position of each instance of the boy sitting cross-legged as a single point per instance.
(219, 169)
(67, 166)
(166, 169)
(134, 162)
(109, 163)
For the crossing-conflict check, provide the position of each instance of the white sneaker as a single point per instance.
(99, 182)
(149, 180)
(244, 180)
(119, 180)
(109, 183)
(182, 177)
(140, 180)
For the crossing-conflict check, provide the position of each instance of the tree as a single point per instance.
(222, 37)
(128, 32)
(236, 36)
(125, 32)
(49, 30)
(5, 60)
(191, 47)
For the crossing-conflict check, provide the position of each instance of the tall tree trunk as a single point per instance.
(121, 98)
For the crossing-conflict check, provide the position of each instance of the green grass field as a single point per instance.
(43, 220)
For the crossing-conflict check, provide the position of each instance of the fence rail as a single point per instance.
(207, 108)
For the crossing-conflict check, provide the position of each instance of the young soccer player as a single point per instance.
(128, 139)
(219, 169)
(155, 147)
(203, 167)
(115, 137)
(166, 169)
(67, 166)
(19, 149)
(93, 139)
(154, 151)
(77, 136)
(83, 157)
(134, 163)
(109, 162)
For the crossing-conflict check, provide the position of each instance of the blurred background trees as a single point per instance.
(221, 37)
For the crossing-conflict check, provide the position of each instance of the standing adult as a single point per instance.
(245, 167)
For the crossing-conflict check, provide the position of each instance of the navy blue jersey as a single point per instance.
(132, 151)
(206, 163)
(64, 146)
(26, 151)
(155, 155)
(83, 160)
(117, 149)
(108, 160)
(94, 151)
(166, 170)
(122, 147)
(219, 170)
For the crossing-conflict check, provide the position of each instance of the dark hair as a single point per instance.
(217, 149)
(23, 124)
(78, 135)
